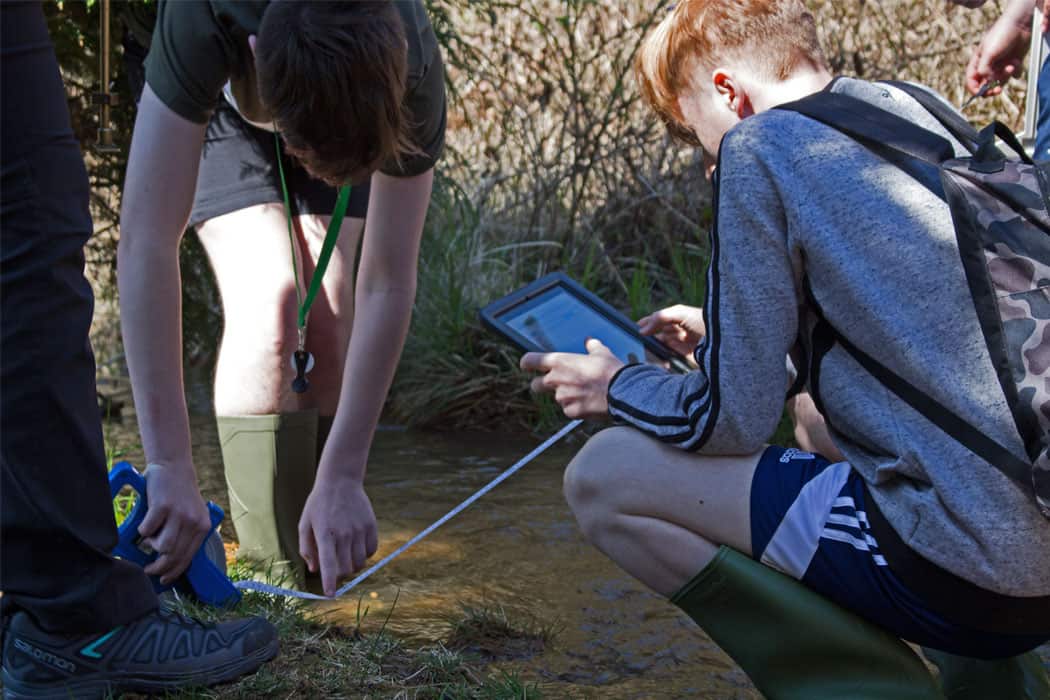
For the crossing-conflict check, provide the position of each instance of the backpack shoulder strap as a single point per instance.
(958, 429)
(874, 126)
(954, 123)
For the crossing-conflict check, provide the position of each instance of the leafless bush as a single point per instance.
(554, 163)
(928, 41)
(552, 144)
(558, 165)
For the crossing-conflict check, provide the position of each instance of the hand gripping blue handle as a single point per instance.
(207, 583)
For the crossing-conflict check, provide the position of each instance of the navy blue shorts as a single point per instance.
(809, 520)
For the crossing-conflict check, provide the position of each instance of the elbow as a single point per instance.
(390, 295)
(127, 246)
(141, 242)
(130, 250)
(738, 434)
(397, 285)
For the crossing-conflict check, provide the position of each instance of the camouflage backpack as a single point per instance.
(999, 207)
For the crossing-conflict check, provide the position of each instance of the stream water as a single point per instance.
(518, 549)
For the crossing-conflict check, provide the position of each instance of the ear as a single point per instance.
(251, 44)
(732, 92)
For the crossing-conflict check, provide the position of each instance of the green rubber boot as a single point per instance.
(1016, 678)
(795, 644)
(324, 427)
(270, 464)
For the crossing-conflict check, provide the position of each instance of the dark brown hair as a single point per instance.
(333, 76)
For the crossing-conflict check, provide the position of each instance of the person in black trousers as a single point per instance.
(77, 622)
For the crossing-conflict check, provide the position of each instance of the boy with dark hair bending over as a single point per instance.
(254, 116)
(690, 485)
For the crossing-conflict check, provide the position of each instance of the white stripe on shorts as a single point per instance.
(847, 502)
(856, 543)
(840, 519)
(794, 543)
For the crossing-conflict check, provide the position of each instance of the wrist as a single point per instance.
(177, 466)
(1018, 15)
(335, 479)
(342, 466)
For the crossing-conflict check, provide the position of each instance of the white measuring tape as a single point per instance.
(277, 590)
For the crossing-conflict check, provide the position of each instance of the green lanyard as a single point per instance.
(302, 361)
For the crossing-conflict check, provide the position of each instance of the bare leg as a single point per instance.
(658, 512)
(268, 432)
(332, 313)
(250, 254)
(811, 431)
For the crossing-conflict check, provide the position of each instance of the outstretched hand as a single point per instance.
(337, 530)
(679, 327)
(1001, 52)
(579, 383)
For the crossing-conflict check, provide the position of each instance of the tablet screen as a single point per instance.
(558, 321)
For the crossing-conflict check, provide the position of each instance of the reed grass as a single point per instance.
(552, 164)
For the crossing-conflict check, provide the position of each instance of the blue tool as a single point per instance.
(205, 578)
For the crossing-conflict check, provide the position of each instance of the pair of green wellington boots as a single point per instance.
(797, 645)
(270, 463)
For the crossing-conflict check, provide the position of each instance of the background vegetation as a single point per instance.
(552, 164)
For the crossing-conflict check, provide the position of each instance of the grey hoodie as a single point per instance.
(797, 198)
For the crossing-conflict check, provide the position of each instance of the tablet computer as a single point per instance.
(556, 314)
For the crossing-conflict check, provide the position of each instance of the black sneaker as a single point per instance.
(160, 651)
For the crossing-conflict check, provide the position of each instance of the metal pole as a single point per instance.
(1036, 55)
(103, 97)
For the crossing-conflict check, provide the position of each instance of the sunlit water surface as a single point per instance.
(519, 548)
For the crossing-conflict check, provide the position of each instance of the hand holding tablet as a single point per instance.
(556, 314)
(578, 342)
(579, 383)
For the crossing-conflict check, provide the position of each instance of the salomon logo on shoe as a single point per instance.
(794, 453)
(45, 657)
(62, 666)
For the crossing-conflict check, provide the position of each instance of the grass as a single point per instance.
(323, 660)
(319, 659)
(125, 501)
(488, 632)
(462, 269)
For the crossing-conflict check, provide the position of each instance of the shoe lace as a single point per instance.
(184, 620)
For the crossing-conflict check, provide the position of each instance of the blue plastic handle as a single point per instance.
(124, 475)
(209, 584)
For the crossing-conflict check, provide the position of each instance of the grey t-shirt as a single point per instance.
(797, 198)
(200, 46)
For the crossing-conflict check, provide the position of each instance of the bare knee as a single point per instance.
(591, 479)
(266, 322)
(257, 344)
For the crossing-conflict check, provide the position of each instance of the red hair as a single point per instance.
(773, 36)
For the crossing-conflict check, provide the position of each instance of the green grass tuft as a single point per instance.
(319, 659)
(489, 632)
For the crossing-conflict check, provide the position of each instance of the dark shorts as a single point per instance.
(238, 169)
(809, 520)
